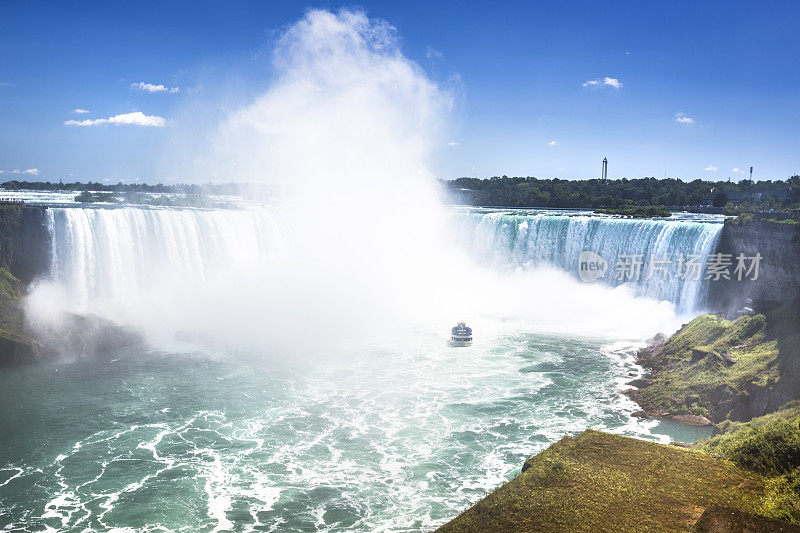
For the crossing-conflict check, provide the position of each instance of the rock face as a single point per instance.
(714, 369)
(778, 282)
(16, 345)
(18, 351)
(24, 241)
(82, 335)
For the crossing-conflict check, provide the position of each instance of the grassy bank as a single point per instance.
(602, 482)
(770, 446)
(723, 369)
(743, 374)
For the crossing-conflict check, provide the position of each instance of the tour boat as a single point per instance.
(461, 335)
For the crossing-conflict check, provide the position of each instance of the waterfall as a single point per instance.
(118, 253)
(528, 240)
(117, 261)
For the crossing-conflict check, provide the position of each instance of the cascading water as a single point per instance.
(116, 254)
(530, 240)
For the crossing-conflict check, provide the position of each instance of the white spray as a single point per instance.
(357, 243)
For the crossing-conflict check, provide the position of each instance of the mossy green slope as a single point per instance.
(768, 445)
(602, 482)
(711, 365)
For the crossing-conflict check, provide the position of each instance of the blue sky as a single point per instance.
(685, 89)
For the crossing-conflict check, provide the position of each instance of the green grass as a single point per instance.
(602, 482)
(768, 445)
(708, 363)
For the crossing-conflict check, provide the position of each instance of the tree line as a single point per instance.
(618, 193)
(504, 191)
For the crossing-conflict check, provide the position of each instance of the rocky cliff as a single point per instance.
(16, 345)
(778, 281)
(721, 369)
(24, 241)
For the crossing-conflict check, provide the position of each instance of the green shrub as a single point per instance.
(771, 449)
(768, 445)
(783, 501)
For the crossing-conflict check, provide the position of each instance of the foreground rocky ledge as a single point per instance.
(602, 482)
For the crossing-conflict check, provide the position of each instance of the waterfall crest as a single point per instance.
(232, 272)
(529, 240)
(113, 252)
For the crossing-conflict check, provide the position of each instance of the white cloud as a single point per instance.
(80, 111)
(561, 169)
(603, 82)
(154, 87)
(136, 119)
(711, 168)
(737, 171)
(683, 118)
(552, 143)
(452, 143)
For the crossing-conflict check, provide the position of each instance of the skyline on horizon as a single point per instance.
(683, 91)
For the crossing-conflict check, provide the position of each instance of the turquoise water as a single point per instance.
(380, 437)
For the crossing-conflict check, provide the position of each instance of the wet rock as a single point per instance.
(82, 335)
